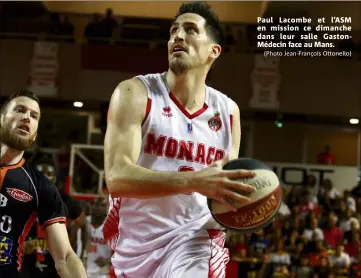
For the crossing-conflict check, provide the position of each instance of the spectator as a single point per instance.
(340, 261)
(349, 200)
(326, 157)
(333, 234)
(304, 270)
(93, 29)
(259, 245)
(314, 229)
(108, 24)
(323, 269)
(308, 205)
(280, 257)
(346, 221)
(353, 246)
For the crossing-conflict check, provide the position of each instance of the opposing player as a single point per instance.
(25, 193)
(37, 261)
(168, 136)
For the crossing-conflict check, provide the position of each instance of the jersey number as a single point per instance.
(186, 169)
(92, 248)
(5, 224)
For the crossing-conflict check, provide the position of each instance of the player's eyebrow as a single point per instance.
(27, 108)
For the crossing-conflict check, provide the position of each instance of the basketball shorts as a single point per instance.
(200, 256)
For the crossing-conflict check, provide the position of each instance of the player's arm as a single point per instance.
(52, 218)
(122, 147)
(67, 263)
(236, 131)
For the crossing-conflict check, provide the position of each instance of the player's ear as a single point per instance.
(216, 50)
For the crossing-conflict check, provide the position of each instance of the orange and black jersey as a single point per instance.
(25, 195)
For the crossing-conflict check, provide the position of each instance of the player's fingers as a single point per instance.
(237, 174)
(234, 199)
(238, 186)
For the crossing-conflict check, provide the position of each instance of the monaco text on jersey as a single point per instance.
(180, 149)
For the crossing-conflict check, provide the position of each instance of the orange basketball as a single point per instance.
(265, 201)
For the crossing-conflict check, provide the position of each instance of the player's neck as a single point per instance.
(189, 88)
(9, 156)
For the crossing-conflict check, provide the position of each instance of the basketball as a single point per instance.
(265, 201)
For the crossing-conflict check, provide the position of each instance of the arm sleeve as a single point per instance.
(51, 208)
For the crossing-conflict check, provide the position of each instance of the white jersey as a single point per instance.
(172, 140)
(98, 248)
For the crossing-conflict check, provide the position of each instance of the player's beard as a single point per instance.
(179, 66)
(14, 141)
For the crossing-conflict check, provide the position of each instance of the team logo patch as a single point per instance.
(215, 122)
(167, 112)
(19, 195)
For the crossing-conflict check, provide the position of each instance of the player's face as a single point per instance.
(19, 123)
(189, 45)
(99, 208)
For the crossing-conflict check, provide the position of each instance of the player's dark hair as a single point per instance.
(22, 93)
(213, 26)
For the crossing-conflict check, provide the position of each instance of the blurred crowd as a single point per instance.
(316, 235)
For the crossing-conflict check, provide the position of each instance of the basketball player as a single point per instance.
(38, 262)
(25, 193)
(99, 254)
(165, 133)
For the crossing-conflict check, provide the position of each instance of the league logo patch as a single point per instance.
(19, 195)
(6, 246)
(215, 122)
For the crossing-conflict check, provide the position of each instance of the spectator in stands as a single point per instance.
(346, 221)
(308, 204)
(108, 24)
(323, 269)
(66, 28)
(326, 157)
(303, 270)
(349, 200)
(313, 229)
(353, 246)
(259, 245)
(61, 26)
(340, 261)
(93, 29)
(280, 257)
(333, 234)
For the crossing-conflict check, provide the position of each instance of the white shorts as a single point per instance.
(201, 256)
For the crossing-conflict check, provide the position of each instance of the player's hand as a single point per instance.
(222, 185)
(100, 261)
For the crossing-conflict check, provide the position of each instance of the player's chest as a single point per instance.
(18, 193)
(205, 126)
